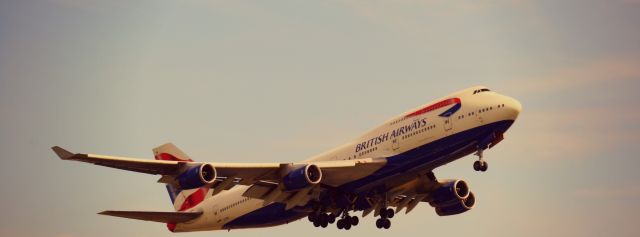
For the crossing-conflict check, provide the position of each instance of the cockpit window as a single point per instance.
(480, 90)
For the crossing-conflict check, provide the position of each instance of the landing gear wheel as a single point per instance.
(347, 225)
(354, 220)
(379, 223)
(477, 165)
(383, 213)
(322, 218)
(331, 218)
(387, 223)
(316, 223)
(390, 213)
(340, 224)
(480, 165)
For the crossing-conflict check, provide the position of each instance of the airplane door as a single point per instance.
(217, 216)
(448, 123)
(395, 145)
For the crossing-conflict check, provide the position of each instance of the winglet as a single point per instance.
(62, 153)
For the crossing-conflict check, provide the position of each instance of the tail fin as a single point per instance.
(169, 151)
(181, 199)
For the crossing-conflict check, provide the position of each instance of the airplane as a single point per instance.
(384, 171)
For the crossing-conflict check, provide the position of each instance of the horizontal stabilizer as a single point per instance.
(163, 217)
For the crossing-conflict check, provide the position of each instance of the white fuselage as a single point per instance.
(404, 133)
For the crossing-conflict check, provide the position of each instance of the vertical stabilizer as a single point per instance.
(181, 199)
(168, 151)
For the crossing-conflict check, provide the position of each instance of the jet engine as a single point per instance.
(302, 177)
(460, 206)
(197, 176)
(452, 197)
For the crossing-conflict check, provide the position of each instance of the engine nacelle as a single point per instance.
(459, 207)
(302, 177)
(197, 176)
(450, 193)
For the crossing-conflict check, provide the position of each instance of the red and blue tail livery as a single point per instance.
(381, 173)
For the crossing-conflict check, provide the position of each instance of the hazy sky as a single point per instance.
(263, 81)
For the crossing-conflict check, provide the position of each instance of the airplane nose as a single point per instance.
(514, 107)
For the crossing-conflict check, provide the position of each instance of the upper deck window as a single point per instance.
(480, 90)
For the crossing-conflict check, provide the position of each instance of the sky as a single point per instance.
(281, 81)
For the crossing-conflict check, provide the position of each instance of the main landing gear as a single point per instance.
(480, 165)
(347, 221)
(322, 219)
(385, 215)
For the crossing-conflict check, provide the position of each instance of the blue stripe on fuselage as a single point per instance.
(427, 157)
(451, 110)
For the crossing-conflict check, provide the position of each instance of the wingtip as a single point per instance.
(62, 153)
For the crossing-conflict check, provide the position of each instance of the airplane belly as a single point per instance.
(271, 215)
(427, 156)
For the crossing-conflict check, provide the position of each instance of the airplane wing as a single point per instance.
(132, 164)
(334, 173)
(244, 171)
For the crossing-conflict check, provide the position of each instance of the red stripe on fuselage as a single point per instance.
(434, 107)
(194, 199)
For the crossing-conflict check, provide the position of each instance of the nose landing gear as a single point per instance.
(480, 165)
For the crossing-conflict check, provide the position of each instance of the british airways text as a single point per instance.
(393, 134)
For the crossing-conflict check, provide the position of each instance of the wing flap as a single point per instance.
(248, 173)
(162, 217)
(260, 189)
(336, 173)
